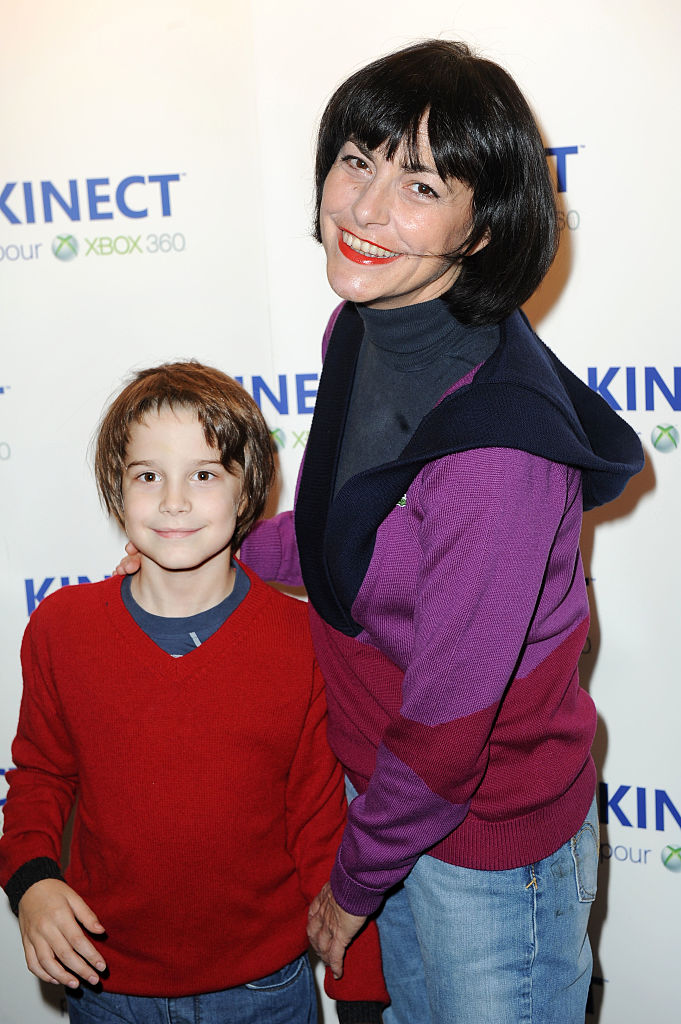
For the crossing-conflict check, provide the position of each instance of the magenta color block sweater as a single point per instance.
(456, 707)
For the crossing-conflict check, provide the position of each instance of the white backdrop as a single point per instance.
(210, 108)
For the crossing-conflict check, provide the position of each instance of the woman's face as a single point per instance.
(385, 226)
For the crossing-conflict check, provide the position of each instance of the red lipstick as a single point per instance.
(364, 258)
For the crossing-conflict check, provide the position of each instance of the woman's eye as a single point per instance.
(421, 189)
(356, 162)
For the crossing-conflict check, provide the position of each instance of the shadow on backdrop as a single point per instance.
(624, 506)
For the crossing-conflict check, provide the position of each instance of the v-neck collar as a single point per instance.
(167, 667)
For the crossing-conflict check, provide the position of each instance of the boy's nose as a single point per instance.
(175, 500)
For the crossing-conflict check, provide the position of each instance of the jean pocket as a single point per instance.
(104, 1007)
(584, 848)
(282, 978)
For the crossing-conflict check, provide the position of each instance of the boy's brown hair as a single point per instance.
(231, 421)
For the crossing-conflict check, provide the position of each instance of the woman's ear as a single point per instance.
(481, 243)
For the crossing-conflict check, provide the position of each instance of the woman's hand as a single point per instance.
(55, 945)
(331, 929)
(131, 563)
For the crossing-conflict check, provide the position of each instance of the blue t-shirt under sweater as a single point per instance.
(178, 636)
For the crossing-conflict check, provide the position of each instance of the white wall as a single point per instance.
(226, 97)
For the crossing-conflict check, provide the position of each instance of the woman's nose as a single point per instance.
(372, 205)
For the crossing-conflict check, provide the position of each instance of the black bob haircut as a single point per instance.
(482, 132)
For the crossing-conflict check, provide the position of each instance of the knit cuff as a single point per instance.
(358, 1013)
(32, 871)
(350, 895)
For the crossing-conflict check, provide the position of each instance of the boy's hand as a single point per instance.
(331, 929)
(131, 564)
(49, 916)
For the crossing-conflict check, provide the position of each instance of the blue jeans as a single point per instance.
(286, 997)
(492, 947)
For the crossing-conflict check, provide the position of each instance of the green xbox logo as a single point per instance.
(65, 247)
(665, 437)
(671, 858)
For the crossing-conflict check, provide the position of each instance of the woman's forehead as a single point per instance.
(409, 155)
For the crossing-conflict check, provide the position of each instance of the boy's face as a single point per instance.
(180, 503)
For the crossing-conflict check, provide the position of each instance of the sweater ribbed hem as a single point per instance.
(489, 845)
(27, 875)
(503, 845)
(515, 842)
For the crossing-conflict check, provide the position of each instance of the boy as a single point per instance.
(183, 709)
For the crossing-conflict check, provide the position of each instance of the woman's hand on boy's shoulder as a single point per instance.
(56, 947)
(130, 563)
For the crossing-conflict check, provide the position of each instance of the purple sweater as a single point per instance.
(457, 711)
(451, 616)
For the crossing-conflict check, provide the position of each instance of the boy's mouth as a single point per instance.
(359, 250)
(175, 534)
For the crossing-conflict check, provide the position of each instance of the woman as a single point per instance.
(436, 530)
(438, 541)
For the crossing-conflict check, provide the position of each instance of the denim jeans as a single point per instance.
(492, 947)
(286, 997)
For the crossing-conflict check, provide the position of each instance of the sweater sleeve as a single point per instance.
(315, 817)
(42, 786)
(487, 520)
(271, 550)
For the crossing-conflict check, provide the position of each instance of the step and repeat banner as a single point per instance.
(155, 203)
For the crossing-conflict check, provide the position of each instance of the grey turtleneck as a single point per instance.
(409, 357)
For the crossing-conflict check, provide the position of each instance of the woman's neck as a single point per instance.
(411, 337)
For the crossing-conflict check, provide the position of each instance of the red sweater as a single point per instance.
(209, 804)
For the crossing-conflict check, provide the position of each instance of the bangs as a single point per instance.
(390, 119)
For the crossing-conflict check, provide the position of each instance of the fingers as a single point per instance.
(331, 929)
(328, 947)
(87, 917)
(57, 959)
(33, 963)
(314, 928)
(56, 947)
(128, 565)
(314, 906)
(322, 932)
(336, 958)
